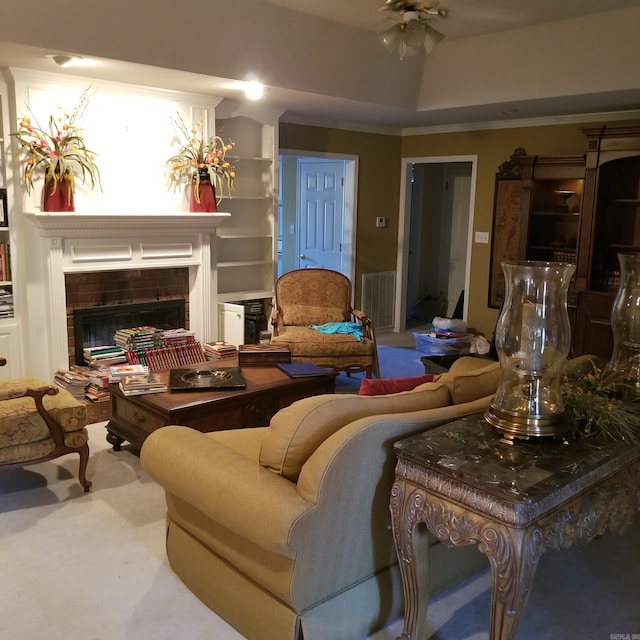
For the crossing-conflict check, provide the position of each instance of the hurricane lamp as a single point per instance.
(532, 340)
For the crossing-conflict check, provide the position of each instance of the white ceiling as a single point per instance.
(501, 60)
(465, 17)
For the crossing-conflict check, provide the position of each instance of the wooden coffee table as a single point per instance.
(133, 418)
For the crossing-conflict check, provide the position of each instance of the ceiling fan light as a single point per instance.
(414, 34)
(432, 38)
(391, 38)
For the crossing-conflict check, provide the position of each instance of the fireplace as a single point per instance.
(103, 301)
(79, 243)
(97, 326)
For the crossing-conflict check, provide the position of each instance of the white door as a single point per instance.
(321, 213)
(460, 194)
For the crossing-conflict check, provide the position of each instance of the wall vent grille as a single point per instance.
(378, 298)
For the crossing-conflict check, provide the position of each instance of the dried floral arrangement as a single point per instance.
(59, 148)
(201, 158)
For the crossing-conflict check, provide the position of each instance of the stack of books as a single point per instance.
(6, 303)
(138, 338)
(139, 384)
(103, 356)
(96, 393)
(167, 357)
(75, 383)
(219, 350)
(177, 337)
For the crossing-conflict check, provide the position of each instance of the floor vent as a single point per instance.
(378, 298)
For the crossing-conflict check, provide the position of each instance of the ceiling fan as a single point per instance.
(411, 30)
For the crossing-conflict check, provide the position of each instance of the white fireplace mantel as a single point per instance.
(76, 243)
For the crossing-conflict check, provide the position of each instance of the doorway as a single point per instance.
(434, 243)
(316, 211)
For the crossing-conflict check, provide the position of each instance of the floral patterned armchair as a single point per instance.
(305, 297)
(40, 422)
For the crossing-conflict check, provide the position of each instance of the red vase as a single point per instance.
(57, 195)
(206, 195)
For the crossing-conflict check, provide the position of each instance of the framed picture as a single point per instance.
(4, 214)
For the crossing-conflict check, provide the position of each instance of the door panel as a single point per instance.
(321, 190)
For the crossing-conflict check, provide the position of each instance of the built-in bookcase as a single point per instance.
(247, 248)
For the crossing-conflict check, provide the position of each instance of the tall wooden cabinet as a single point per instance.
(610, 225)
(583, 209)
(538, 215)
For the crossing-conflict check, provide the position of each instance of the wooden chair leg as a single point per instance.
(83, 451)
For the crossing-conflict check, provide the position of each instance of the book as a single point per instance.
(119, 370)
(139, 392)
(142, 381)
(301, 369)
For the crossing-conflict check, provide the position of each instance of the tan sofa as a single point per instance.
(284, 531)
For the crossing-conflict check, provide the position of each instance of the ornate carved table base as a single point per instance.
(514, 502)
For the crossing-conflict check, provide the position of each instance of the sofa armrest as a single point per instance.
(236, 492)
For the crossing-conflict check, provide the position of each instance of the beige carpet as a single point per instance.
(78, 566)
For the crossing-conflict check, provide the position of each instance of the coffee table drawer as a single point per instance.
(124, 410)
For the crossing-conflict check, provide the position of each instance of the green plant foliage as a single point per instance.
(599, 403)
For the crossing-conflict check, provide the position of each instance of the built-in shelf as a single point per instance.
(246, 248)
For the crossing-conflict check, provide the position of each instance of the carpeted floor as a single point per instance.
(79, 566)
(395, 362)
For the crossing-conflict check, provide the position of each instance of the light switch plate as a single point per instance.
(482, 237)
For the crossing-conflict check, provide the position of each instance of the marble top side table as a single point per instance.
(514, 501)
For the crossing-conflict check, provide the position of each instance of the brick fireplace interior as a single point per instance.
(91, 290)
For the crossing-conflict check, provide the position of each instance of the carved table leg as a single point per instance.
(412, 548)
(513, 555)
(114, 440)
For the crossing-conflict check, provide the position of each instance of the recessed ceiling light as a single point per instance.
(253, 90)
(63, 60)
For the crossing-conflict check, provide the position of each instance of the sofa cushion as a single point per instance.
(472, 385)
(295, 432)
(383, 386)
(303, 315)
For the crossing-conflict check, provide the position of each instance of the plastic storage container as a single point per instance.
(435, 346)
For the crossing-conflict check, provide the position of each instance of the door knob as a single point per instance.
(302, 256)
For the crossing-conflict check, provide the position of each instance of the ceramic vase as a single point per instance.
(57, 195)
(202, 197)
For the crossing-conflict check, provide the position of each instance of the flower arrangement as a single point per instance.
(199, 159)
(58, 149)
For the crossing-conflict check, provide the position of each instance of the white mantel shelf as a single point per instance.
(71, 224)
(77, 242)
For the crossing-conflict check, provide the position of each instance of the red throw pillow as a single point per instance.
(382, 386)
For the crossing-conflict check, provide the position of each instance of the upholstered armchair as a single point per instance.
(39, 422)
(305, 297)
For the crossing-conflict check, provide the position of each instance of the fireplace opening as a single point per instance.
(96, 326)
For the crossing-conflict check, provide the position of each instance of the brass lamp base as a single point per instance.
(519, 425)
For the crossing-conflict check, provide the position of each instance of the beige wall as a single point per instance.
(379, 184)
(378, 188)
